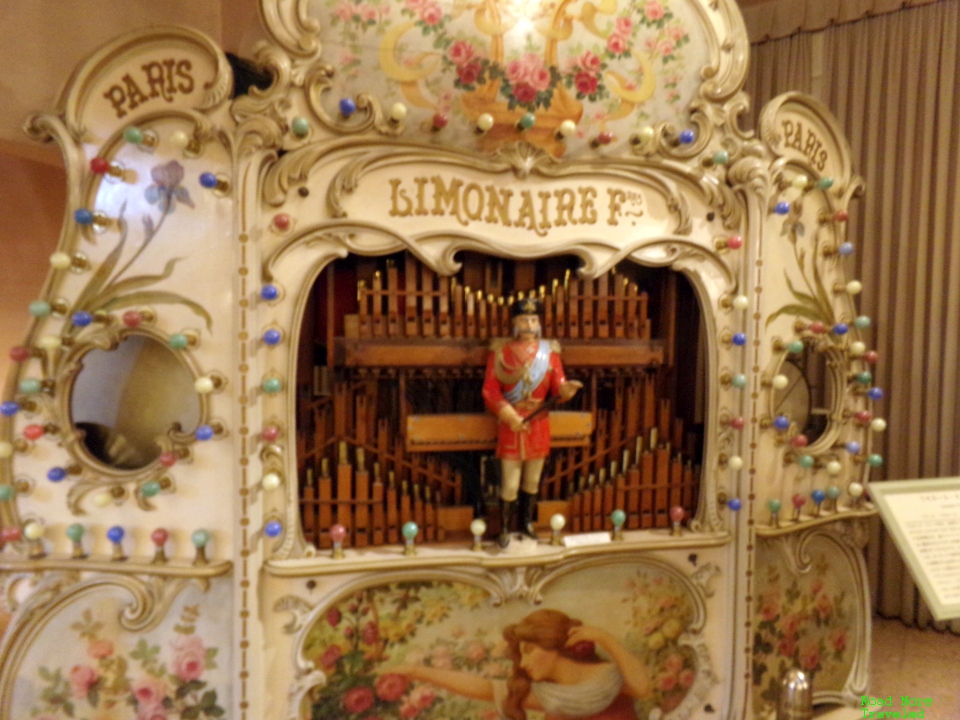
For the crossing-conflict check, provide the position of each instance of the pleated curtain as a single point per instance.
(893, 82)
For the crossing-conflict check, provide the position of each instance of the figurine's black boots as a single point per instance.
(528, 514)
(508, 510)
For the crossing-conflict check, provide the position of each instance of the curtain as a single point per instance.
(892, 82)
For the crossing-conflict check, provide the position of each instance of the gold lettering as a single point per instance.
(566, 203)
(588, 213)
(183, 72)
(447, 200)
(397, 194)
(473, 192)
(545, 196)
(421, 183)
(617, 197)
(498, 201)
(526, 216)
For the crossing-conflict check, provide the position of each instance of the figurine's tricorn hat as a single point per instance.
(526, 306)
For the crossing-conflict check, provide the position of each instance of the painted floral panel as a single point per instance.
(436, 649)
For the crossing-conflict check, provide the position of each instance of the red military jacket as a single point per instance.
(523, 374)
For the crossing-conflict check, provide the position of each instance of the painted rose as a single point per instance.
(787, 646)
(469, 73)
(330, 657)
(524, 93)
(368, 13)
(809, 655)
(461, 52)
(333, 616)
(589, 61)
(358, 699)
(149, 691)
(623, 26)
(676, 33)
(529, 69)
(667, 48)
(616, 45)
(370, 633)
(824, 605)
(653, 10)
(770, 608)
(585, 83)
(391, 687)
(189, 657)
(98, 649)
(151, 712)
(838, 640)
(82, 678)
(666, 682)
(791, 623)
(344, 11)
(432, 14)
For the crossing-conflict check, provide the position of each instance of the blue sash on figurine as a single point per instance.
(534, 374)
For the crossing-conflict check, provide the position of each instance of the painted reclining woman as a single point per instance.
(556, 670)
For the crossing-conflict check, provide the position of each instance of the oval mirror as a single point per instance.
(125, 399)
(807, 397)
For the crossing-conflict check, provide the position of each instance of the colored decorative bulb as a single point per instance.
(864, 378)
(863, 417)
(208, 180)
(799, 441)
(115, 534)
(204, 432)
(300, 126)
(825, 183)
(478, 527)
(604, 138)
(270, 433)
(841, 329)
(774, 505)
(9, 408)
(527, 121)
(781, 423)
(40, 309)
(50, 343)
(735, 242)
(269, 292)
(338, 533)
(271, 385)
(102, 499)
(818, 496)
(875, 460)
(75, 532)
(834, 467)
(646, 134)
(81, 318)
(875, 393)
(30, 386)
(347, 107)
(618, 518)
(862, 322)
(200, 538)
(677, 513)
(853, 447)
(133, 135)
(204, 385)
(800, 181)
(179, 140)
(159, 537)
(833, 492)
(440, 121)
(779, 382)
(739, 339)
(19, 354)
(99, 165)
(721, 157)
(56, 474)
(60, 261)
(150, 489)
(871, 357)
(687, 136)
(33, 432)
(132, 318)
(806, 461)
(739, 381)
(841, 216)
(273, 528)
(11, 534)
(734, 504)
(854, 287)
(167, 458)
(7, 493)
(795, 347)
(557, 522)
(798, 500)
(281, 221)
(410, 530)
(272, 336)
(738, 423)
(845, 249)
(817, 327)
(83, 216)
(179, 341)
(782, 208)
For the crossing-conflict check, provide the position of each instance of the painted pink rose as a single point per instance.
(461, 52)
(357, 700)
(151, 712)
(686, 678)
(667, 48)
(666, 683)
(408, 710)
(368, 13)
(838, 640)
(524, 93)
(391, 687)
(585, 83)
(770, 607)
(676, 33)
(653, 10)
(330, 656)
(809, 656)
(344, 11)
(149, 692)
(98, 649)
(476, 652)
(517, 72)
(790, 624)
(824, 605)
(616, 45)
(787, 646)
(540, 79)
(623, 26)
(415, 5)
(469, 73)
(189, 657)
(673, 663)
(432, 14)
(82, 678)
(589, 61)
(422, 696)
(333, 616)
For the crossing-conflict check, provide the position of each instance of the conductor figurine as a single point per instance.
(524, 378)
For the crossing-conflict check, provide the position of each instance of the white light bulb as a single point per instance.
(478, 527)
(398, 112)
(557, 522)
(6, 450)
(741, 302)
(567, 128)
(50, 342)
(854, 287)
(60, 261)
(204, 385)
(834, 467)
(484, 122)
(102, 499)
(857, 348)
(878, 425)
(33, 531)
(735, 462)
(271, 481)
(855, 489)
(779, 382)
